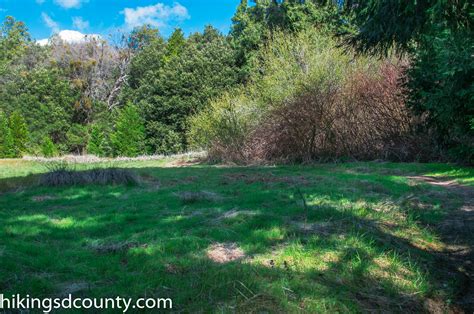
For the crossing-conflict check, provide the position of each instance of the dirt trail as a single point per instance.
(457, 232)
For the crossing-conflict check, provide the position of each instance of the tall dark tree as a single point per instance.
(253, 23)
(176, 79)
(384, 24)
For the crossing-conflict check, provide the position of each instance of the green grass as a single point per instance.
(364, 240)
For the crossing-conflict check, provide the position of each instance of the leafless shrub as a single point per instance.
(64, 174)
(364, 118)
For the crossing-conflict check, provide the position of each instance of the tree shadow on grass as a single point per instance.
(168, 243)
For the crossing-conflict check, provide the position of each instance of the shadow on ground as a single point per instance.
(314, 240)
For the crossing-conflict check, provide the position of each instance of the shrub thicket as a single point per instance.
(312, 101)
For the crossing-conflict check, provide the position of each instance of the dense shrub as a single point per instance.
(364, 118)
(312, 101)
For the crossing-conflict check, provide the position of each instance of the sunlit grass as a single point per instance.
(361, 242)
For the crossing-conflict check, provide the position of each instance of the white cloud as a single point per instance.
(69, 4)
(79, 23)
(42, 42)
(158, 15)
(77, 37)
(50, 22)
(72, 37)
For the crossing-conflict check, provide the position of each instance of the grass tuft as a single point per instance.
(60, 174)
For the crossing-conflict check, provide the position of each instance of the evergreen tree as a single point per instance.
(14, 39)
(19, 132)
(174, 46)
(76, 138)
(253, 24)
(169, 92)
(128, 137)
(6, 138)
(383, 24)
(95, 146)
(48, 148)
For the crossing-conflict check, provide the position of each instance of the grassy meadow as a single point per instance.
(349, 237)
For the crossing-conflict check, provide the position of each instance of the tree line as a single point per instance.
(141, 93)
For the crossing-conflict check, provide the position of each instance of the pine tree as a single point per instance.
(19, 132)
(175, 45)
(48, 148)
(96, 141)
(6, 138)
(129, 134)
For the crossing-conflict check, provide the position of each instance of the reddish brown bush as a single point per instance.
(365, 117)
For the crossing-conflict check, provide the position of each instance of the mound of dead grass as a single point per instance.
(62, 175)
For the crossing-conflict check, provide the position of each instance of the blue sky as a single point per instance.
(45, 17)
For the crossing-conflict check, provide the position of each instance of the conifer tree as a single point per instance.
(96, 141)
(48, 148)
(6, 138)
(129, 134)
(19, 133)
(174, 46)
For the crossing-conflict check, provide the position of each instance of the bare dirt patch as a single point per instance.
(225, 252)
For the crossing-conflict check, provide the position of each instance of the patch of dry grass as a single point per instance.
(102, 176)
(225, 252)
